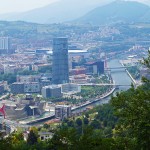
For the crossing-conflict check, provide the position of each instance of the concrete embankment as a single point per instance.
(93, 101)
(73, 109)
(133, 80)
(37, 120)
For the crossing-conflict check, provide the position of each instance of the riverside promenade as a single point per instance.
(94, 100)
(33, 120)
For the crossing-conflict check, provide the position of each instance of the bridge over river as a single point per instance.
(121, 67)
(104, 84)
(121, 79)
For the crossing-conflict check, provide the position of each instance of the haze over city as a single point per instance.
(74, 74)
(21, 5)
(8, 6)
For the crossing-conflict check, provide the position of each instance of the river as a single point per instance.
(120, 77)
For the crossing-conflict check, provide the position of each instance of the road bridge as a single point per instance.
(103, 84)
(113, 68)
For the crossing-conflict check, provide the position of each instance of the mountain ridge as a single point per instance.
(119, 11)
(58, 12)
(70, 10)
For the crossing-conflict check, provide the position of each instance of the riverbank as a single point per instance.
(93, 101)
(119, 77)
(74, 109)
(133, 80)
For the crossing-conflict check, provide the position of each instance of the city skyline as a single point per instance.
(74, 74)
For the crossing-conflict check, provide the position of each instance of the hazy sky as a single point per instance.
(22, 5)
(7, 6)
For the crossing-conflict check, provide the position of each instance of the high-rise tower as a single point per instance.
(4, 45)
(60, 68)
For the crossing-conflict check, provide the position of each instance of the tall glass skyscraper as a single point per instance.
(60, 68)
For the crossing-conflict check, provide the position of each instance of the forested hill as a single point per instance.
(117, 12)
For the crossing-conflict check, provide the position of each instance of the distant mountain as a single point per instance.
(147, 2)
(118, 11)
(60, 11)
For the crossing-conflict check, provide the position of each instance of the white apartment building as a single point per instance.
(4, 43)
